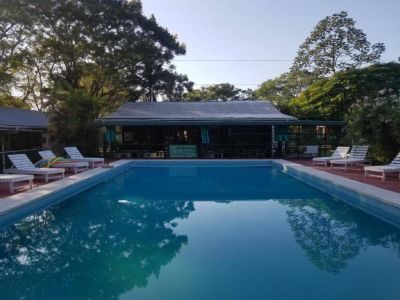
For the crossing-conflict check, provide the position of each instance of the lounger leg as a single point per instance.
(383, 176)
(11, 186)
(30, 184)
(46, 177)
(366, 173)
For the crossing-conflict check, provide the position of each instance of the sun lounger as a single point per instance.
(11, 179)
(339, 153)
(74, 154)
(22, 165)
(357, 156)
(67, 164)
(393, 167)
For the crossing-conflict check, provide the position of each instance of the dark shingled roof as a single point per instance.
(12, 118)
(207, 112)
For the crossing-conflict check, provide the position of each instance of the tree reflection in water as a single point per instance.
(110, 252)
(332, 232)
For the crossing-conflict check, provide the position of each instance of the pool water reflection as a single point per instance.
(200, 233)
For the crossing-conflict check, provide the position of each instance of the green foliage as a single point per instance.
(376, 121)
(331, 99)
(367, 99)
(223, 91)
(283, 88)
(335, 44)
(107, 52)
(8, 100)
(125, 53)
(14, 22)
(72, 122)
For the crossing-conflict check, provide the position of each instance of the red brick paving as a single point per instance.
(391, 183)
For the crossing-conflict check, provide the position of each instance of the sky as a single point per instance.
(261, 29)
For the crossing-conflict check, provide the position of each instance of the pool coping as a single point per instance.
(380, 202)
(386, 196)
(75, 184)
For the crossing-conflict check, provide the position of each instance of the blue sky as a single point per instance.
(262, 29)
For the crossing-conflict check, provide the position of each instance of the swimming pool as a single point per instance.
(211, 231)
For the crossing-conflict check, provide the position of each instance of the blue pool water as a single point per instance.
(200, 232)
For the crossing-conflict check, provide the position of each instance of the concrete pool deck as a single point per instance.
(24, 199)
(365, 196)
(392, 183)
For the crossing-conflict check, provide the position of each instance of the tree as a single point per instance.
(105, 51)
(14, 23)
(222, 91)
(335, 44)
(283, 88)
(367, 99)
(8, 100)
(331, 99)
(376, 121)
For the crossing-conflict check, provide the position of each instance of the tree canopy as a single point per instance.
(223, 91)
(57, 55)
(368, 99)
(331, 99)
(335, 44)
(376, 121)
(283, 88)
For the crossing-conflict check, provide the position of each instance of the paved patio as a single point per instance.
(392, 183)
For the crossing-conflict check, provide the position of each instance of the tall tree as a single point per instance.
(335, 44)
(89, 53)
(14, 37)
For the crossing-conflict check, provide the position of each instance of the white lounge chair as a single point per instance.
(357, 156)
(339, 153)
(22, 165)
(393, 167)
(11, 179)
(75, 166)
(74, 154)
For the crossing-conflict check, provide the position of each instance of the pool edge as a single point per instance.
(17, 206)
(376, 201)
(382, 203)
